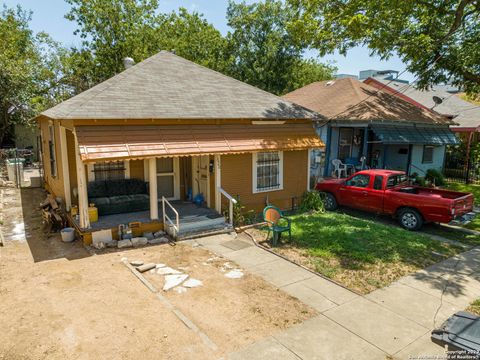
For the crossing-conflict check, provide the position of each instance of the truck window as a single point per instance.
(395, 180)
(377, 183)
(360, 180)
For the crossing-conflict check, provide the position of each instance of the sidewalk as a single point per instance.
(396, 320)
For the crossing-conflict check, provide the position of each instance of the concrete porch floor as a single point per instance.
(395, 321)
(188, 213)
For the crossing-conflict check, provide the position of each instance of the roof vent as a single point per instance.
(128, 62)
(330, 83)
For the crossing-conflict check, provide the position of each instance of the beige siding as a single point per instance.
(237, 180)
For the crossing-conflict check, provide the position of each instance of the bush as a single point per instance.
(435, 177)
(417, 180)
(240, 216)
(312, 201)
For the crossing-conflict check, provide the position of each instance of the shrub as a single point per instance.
(312, 201)
(240, 216)
(435, 177)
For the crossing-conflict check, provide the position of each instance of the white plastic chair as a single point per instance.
(339, 168)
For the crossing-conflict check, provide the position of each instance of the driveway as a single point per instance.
(394, 321)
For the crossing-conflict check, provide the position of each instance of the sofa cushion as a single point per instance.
(135, 186)
(97, 189)
(116, 187)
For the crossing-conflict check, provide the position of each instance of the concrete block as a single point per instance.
(136, 263)
(124, 244)
(159, 233)
(145, 267)
(162, 240)
(139, 241)
(112, 244)
(148, 235)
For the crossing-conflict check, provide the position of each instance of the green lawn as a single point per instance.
(475, 190)
(361, 254)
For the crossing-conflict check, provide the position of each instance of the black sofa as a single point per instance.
(118, 196)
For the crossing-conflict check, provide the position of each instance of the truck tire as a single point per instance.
(410, 219)
(330, 202)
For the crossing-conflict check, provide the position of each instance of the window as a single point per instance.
(51, 150)
(377, 183)
(427, 154)
(360, 180)
(267, 171)
(345, 143)
(395, 180)
(109, 170)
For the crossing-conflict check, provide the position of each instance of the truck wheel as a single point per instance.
(330, 202)
(410, 219)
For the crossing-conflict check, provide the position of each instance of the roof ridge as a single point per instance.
(243, 83)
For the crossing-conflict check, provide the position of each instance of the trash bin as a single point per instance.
(15, 170)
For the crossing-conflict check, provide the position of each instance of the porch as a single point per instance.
(191, 219)
(408, 148)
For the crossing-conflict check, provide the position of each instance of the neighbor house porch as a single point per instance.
(404, 147)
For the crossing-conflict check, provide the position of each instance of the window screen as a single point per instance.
(51, 150)
(268, 166)
(109, 171)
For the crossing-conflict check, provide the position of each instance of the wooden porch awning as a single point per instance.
(107, 143)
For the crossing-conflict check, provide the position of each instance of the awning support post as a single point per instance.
(152, 174)
(82, 188)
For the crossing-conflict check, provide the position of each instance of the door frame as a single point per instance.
(176, 179)
(195, 177)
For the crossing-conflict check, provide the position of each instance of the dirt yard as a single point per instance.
(60, 301)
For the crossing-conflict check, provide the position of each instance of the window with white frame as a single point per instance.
(114, 170)
(267, 171)
(51, 150)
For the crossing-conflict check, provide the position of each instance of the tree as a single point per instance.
(438, 40)
(26, 70)
(262, 51)
(115, 29)
(112, 30)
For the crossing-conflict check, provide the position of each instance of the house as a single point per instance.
(366, 123)
(443, 99)
(143, 144)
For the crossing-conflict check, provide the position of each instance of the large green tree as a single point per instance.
(262, 51)
(28, 70)
(115, 29)
(438, 40)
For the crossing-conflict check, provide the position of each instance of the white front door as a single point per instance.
(168, 179)
(201, 176)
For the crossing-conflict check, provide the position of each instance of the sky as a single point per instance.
(48, 16)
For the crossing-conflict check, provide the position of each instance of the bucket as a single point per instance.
(68, 234)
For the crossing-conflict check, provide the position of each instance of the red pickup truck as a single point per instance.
(388, 192)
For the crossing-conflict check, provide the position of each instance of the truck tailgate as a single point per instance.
(463, 205)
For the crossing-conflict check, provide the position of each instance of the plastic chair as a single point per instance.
(339, 168)
(363, 164)
(272, 216)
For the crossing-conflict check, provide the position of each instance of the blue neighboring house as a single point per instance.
(361, 121)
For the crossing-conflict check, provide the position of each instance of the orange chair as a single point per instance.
(272, 216)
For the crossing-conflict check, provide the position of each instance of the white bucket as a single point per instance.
(68, 234)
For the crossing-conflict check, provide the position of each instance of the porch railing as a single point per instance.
(176, 224)
(231, 202)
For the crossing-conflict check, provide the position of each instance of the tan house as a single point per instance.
(144, 144)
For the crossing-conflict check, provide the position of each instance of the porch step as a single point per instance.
(227, 228)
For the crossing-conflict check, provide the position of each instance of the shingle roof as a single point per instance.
(166, 86)
(350, 99)
(466, 114)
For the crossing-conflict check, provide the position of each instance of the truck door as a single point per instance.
(354, 192)
(375, 195)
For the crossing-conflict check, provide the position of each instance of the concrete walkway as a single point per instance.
(396, 320)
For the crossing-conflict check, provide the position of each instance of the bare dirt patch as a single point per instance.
(59, 301)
